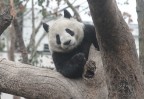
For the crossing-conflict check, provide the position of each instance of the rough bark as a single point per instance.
(5, 20)
(140, 13)
(120, 60)
(40, 83)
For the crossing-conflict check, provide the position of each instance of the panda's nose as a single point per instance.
(67, 42)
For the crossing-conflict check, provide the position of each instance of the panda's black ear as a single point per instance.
(67, 14)
(46, 27)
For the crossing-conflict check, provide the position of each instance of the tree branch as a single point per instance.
(19, 36)
(74, 10)
(35, 48)
(5, 20)
(33, 35)
(41, 83)
(20, 41)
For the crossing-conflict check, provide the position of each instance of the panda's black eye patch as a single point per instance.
(58, 39)
(69, 31)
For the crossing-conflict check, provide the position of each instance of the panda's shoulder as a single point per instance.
(89, 30)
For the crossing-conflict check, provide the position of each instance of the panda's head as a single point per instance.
(64, 34)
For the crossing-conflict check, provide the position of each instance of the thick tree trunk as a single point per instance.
(140, 13)
(120, 60)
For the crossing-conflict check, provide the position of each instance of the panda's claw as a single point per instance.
(89, 69)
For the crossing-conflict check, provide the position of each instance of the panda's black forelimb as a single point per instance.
(71, 68)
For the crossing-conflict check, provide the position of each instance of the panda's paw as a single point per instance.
(89, 69)
(80, 58)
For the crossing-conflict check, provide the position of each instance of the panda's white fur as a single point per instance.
(58, 27)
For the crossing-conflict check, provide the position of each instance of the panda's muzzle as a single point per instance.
(67, 42)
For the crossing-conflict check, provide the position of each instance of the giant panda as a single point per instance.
(69, 42)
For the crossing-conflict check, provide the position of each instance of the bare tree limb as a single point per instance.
(36, 31)
(5, 20)
(32, 38)
(37, 44)
(41, 83)
(38, 27)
